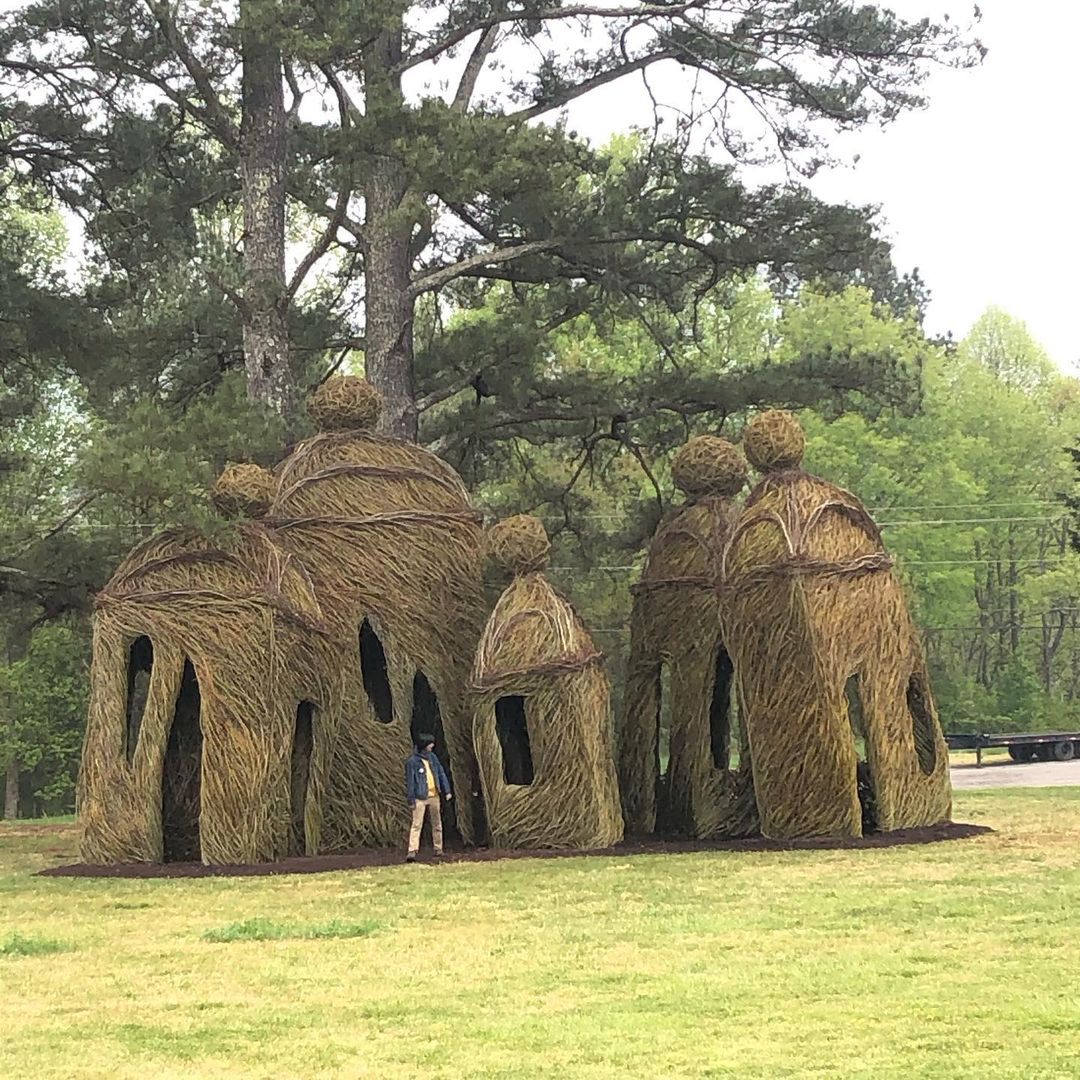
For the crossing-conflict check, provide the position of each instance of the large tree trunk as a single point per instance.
(11, 790)
(262, 176)
(11, 772)
(388, 330)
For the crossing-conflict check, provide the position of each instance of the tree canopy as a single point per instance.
(324, 169)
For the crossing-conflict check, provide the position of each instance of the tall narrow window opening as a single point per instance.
(139, 671)
(513, 732)
(300, 775)
(720, 710)
(181, 780)
(864, 777)
(663, 720)
(373, 670)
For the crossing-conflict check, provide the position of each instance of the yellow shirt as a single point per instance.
(432, 789)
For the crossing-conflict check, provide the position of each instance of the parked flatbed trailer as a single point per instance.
(1022, 745)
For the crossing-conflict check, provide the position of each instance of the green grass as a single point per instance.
(272, 930)
(968, 757)
(947, 960)
(26, 945)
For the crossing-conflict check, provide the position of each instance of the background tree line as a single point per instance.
(268, 192)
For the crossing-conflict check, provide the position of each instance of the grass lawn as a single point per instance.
(951, 960)
(992, 755)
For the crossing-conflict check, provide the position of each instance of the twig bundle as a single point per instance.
(245, 617)
(814, 614)
(244, 490)
(535, 649)
(676, 621)
(388, 535)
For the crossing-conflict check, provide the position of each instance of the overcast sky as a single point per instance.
(979, 190)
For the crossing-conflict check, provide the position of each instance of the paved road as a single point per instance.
(1014, 774)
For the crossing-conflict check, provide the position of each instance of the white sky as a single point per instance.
(978, 190)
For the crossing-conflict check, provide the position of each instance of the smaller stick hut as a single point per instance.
(212, 692)
(393, 546)
(542, 720)
(676, 646)
(827, 657)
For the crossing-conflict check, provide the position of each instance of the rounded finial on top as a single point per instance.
(519, 543)
(774, 440)
(709, 465)
(345, 403)
(243, 490)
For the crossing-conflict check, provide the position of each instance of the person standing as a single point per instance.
(425, 779)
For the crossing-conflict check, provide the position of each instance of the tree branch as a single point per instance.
(220, 120)
(473, 68)
(475, 265)
(436, 397)
(320, 247)
(570, 93)
(636, 12)
(65, 521)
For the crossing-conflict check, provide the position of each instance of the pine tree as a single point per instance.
(158, 121)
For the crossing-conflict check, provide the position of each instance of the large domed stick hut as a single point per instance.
(827, 656)
(542, 725)
(675, 630)
(212, 698)
(393, 548)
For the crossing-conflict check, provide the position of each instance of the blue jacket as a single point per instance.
(416, 786)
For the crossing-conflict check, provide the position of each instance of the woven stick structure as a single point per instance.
(824, 649)
(393, 548)
(676, 621)
(212, 705)
(543, 726)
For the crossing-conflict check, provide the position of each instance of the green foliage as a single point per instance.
(1018, 693)
(43, 699)
(155, 465)
(259, 929)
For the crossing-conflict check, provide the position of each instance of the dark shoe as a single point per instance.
(411, 857)
(436, 854)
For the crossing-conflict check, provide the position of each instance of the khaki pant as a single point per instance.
(430, 806)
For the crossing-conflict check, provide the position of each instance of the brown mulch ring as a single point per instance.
(389, 857)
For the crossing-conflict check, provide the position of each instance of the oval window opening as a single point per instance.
(923, 725)
(373, 671)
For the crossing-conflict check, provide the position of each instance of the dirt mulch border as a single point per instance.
(362, 860)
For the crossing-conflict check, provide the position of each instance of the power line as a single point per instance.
(974, 521)
(901, 564)
(1002, 629)
(892, 508)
